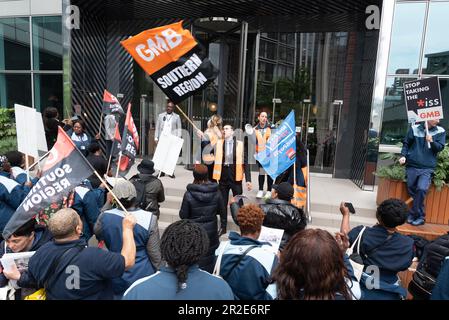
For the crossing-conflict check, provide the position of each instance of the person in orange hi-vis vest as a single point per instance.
(263, 132)
(231, 163)
(300, 195)
(209, 139)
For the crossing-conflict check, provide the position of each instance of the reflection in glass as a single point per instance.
(315, 75)
(436, 51)
(406, 38)
(444, 87)
(15, 88)
(14, 44)
(47, 43)
(394, 122)
(48, 91)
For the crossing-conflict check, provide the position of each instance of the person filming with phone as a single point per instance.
(279, 212)
(384, 251)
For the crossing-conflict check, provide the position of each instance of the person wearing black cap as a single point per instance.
(150, 191)
(280, 213)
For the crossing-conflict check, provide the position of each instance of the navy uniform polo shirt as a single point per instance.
(393, 255)
(95, 267)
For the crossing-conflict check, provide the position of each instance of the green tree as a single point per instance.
(8, 140)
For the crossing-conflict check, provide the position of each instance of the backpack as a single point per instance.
(140, 186)
(419, 243)
(429, 267)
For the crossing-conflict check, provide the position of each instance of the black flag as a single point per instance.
(64, 170)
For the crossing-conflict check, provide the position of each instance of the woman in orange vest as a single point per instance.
(263, 133)
(209, 139)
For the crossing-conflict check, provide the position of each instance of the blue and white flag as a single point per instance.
(280, 150)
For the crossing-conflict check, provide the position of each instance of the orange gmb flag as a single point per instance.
(172, 58)
(156, 48)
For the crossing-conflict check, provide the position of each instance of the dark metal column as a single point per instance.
(242, 69)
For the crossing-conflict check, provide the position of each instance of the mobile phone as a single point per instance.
(350, 207)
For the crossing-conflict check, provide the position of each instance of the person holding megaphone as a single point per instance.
(262, 132)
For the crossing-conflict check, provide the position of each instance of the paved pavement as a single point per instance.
(326, 195)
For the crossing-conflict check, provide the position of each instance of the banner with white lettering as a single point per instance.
(423, 100)
(111, 104)
(173, 59)
(64, 170)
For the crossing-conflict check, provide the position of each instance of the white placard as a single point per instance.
(30, 131)
(26, 130)
(167, 153)
(271, 235)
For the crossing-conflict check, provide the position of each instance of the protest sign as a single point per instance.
(167, 153)
(280, 151)
(423, 100)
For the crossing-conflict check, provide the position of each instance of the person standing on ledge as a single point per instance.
(420, 161)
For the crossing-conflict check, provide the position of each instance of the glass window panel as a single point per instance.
(406, 38)
(394, 120)
(436, 50)
(14, 44)
(48, 91)
(15, 88)
(444, 87)
(47, 43)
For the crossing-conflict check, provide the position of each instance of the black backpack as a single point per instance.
(140, 190)
(429, 267)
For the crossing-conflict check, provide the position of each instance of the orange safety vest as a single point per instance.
(300, 196)
(262, 140)
(209, 157)
(219, 160)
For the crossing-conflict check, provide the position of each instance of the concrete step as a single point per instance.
(335, 208)
(172, 202)
(332, 220)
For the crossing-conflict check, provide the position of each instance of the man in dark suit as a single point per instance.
(231, 164)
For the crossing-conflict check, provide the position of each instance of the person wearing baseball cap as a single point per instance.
(150, 191)
(280, 213)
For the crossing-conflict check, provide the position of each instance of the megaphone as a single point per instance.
(249, 129)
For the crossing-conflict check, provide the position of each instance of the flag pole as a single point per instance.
(39, 160)
(110, 191)
(101, 123)
(27, 166)
(427, 133)
(110, 157)
(118, 165)
(187, 118)
(99, 177)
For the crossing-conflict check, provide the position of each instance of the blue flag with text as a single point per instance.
(280, 150)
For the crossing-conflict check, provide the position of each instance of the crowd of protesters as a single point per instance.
(103, 245)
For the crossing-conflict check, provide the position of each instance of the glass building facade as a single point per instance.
(343, 79)
(31, 61)
(419, 49)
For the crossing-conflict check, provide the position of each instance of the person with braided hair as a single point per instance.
(182, 245)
